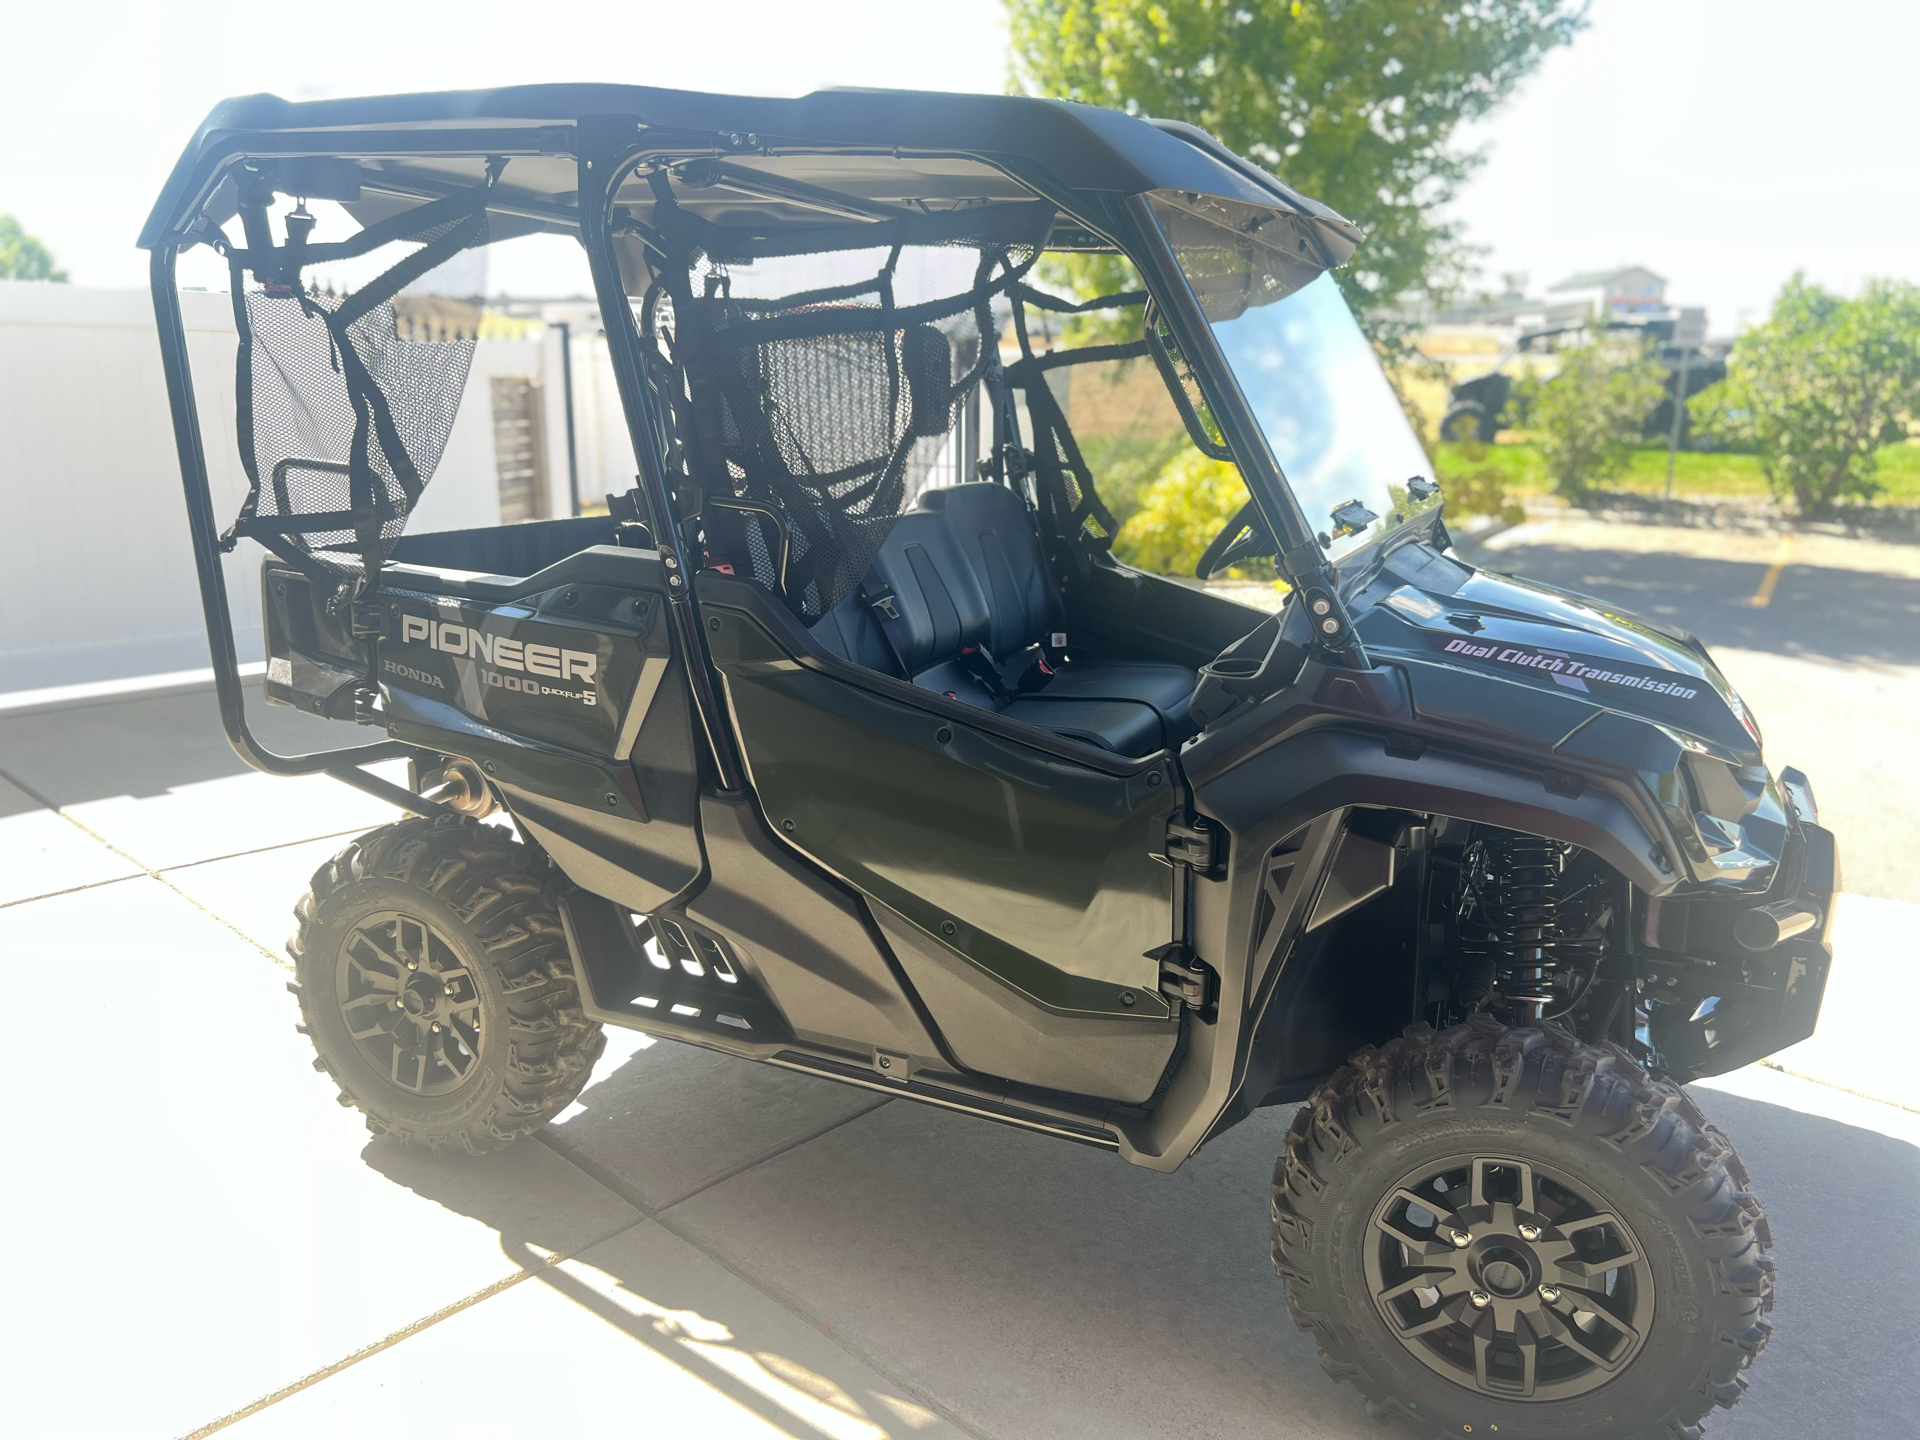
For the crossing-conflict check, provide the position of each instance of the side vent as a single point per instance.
(675, 948)
(665, 973)
(714, 951)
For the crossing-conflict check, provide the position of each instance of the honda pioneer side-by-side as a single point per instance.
(861, 732)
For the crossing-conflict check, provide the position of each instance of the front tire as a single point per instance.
(436, 985)
(1508, 1231)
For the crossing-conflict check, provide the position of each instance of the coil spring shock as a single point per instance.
(1513, 929)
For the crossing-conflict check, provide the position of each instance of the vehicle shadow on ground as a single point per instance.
(1814, 612)
(1845, 1355)
(1039, 1289)
(146, 745)
(675, 1303)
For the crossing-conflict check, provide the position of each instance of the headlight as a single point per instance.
(1746, 717)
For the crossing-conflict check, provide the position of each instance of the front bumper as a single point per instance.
(1711, 1002)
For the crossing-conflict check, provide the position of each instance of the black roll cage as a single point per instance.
(606, 149)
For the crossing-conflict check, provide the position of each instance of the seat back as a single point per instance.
(963, 568)
(994, 533)
(939, 608)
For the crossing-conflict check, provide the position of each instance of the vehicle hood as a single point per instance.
(1555, 641)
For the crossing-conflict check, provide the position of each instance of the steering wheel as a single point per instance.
(1241, 538)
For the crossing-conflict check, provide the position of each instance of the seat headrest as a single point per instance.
(927, 356)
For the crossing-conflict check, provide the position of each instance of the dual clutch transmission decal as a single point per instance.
(1600, 681)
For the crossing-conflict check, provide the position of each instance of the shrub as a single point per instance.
(1479, 488)
(1193, 498)
(1588, 416)
(1819, 388)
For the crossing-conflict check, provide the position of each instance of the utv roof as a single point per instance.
(1057, 146)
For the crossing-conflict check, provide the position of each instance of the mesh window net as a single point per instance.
(823, 389)
(346, 401)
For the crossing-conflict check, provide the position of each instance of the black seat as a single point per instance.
(959, 600)
(995, 533)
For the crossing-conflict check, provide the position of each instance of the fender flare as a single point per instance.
(1286, 789)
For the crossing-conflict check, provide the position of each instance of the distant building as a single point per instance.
(1627, 292)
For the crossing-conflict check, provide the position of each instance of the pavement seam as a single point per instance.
(70, 890)
(146, 869)
(504, 1283)
(263, 849)
(164, 870)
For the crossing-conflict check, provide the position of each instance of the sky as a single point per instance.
(1723, 143)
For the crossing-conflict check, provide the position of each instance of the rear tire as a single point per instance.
(1629, 1218)
(436, 985)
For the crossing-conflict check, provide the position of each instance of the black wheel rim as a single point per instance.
(1509, 1278)
(410, 1005)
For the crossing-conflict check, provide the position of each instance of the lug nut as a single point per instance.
(1480, 1299)
(1529, 1232)
(1549, 1294)
(1460, 1237)
(451, 987)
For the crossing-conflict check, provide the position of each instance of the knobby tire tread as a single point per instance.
(498, 888)
(1599, 1092)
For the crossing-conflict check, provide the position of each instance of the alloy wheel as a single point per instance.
(411, 1007)
(1509, 1278)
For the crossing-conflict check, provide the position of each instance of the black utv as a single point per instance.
(847, 740)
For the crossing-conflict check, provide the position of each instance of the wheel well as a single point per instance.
(1476, 919)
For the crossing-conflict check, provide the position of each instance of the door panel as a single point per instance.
(994, 1029)
(1028, 869)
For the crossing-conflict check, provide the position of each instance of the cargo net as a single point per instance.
(346, 401)
(824, 390)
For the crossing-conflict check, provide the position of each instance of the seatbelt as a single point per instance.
(880, 600)
(979, 664)
(1047, 664)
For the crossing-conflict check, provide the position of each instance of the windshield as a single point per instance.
(1312, 379)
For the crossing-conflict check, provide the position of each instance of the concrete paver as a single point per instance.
(1851, 728)
(1837, 1175)
(45, 853)
(1875, 977)
(256, 893)
(195, 1221)
(1033, 1288)
(231, 816)
(154, 777)
(641, 1336)
(672, 1118)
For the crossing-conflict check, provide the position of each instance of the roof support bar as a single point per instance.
(206, 558)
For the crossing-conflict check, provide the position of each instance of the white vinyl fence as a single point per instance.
(96, 571)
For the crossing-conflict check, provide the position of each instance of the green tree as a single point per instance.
(1354, 102)
(1590, 413)
(1819, 388)
(22, 257)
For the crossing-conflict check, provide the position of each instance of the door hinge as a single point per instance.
(1183, 978)
(1195, 842)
